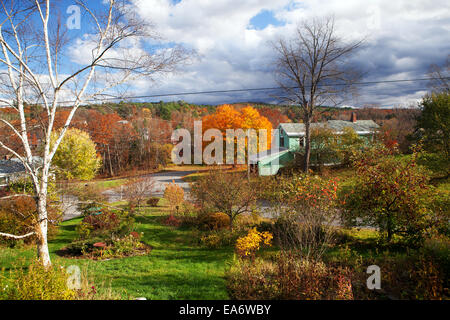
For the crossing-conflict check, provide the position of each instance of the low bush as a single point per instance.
(288, 278)
(153, 202)
(248, 245)
(171, 220)
(415, 275)
(218, 238)
(37, 283)
(106, 224)
(98, 248)
(34, 282)
(108, 234)
(213, 221)
(18, 216)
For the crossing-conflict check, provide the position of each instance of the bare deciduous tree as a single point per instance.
(229, 193)
(137, 189)
(440, 76)
(312, 70)
(35, 74)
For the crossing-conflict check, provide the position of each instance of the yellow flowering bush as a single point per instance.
(247, 246)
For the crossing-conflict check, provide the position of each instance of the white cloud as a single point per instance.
(403, 38)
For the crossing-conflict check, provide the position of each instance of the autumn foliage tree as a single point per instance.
(174, 194)
(390, 193)
(76, 157)
(227, 117)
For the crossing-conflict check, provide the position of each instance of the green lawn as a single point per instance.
(176, 268)
(103, 185)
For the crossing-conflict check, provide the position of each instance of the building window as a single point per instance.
(302, 142)
(282, 141)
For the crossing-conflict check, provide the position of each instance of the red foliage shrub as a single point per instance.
(172, 221)
(106, 220)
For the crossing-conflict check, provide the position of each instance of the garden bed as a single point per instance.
(66, 252)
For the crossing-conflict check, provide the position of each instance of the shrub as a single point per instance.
(307, 279)
(99, 248)
(248, 245)
(252, 280)
(438, 249)
(18, 216)
(285, 230)
(213, 221)
(106, 224)
(307, 206)
(174, 195)
(153, 202)
(212, 240)
(171, 220)
(38, 283)
(121, 247)
(288, 278)
(188, 215)
(219, 238)
(106, 227)
(419, 274)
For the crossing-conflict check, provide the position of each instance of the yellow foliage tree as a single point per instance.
(76, 157)
(174, 194)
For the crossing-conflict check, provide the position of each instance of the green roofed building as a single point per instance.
(291, 139)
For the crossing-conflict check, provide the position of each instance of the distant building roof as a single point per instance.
(360, 126)
(254, 158)
(8, 167)
(14, 165)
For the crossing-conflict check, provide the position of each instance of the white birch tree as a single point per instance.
(34, 45)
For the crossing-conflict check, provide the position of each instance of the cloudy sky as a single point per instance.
(231, 38)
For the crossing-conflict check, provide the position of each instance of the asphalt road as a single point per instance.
(162, 179)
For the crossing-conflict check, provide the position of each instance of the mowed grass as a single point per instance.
(176, 268)
(102, 185)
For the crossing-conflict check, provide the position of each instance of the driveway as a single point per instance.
(162, 179)
(70, 203)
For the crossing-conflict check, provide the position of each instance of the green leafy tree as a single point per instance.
(76, 157)
(349, 142)
(434, 124)
(390, 193)
(323, 146)
(331, 147)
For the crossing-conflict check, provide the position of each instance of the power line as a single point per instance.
(248, 90)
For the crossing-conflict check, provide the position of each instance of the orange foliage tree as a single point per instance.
(227, 117)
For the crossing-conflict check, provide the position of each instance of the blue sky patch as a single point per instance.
(263, 19)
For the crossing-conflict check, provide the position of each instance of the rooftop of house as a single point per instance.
(14, 165)
(360, 126)
(254, 158)
(10, 166)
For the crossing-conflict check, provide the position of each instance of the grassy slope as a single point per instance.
(175, 269)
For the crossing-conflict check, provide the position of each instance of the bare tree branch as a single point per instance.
(309, 66)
